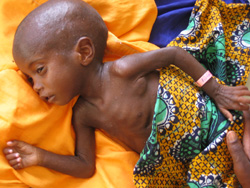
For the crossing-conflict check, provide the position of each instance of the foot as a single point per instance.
(21, 154)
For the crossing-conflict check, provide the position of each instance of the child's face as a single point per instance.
(54, 75)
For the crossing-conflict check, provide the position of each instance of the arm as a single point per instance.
(82, 165)
(241, 153)
(138, 65)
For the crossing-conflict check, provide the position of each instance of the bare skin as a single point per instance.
(122, 93)
(241, 152)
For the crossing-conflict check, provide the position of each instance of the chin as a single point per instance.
(60, 100)
(61, 103)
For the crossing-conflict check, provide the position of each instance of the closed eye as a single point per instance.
(30, 80)
(39, 70)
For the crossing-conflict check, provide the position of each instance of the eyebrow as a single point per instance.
(31, 63)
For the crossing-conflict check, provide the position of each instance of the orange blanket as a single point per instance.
(24, 116)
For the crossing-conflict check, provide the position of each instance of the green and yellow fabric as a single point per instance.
(187, 146)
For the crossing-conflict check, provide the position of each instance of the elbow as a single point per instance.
(90, 172)
(170, 55)
(176, 51)
(178, 54)
(87, 171)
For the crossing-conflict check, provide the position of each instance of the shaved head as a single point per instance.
(58, 25)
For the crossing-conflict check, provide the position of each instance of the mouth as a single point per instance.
(48, 99)
(51, 99)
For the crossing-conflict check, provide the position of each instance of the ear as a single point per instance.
(86, 50)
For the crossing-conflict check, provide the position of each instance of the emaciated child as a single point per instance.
(60, 47)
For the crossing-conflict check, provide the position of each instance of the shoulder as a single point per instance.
(123, 67)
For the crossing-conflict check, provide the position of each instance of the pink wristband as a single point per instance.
(204, 78)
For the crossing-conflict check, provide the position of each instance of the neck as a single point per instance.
(92, 89)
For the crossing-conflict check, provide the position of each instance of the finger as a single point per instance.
(240, 106)
(12, 156)
(235, 106)
(240, 160)
(7, 151)
(243, 99)
(242, 87)
(246, 136)
(10, 143)
(15, 162)
(235, 147)
(17, 166)
(14, 143)
(226, 113)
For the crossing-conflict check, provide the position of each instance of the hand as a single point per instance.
(241, 153)
(21, 155)
(231, 98)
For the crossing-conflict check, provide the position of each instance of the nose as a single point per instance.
(37, 86)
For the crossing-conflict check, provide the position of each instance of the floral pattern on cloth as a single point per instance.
(187, 145)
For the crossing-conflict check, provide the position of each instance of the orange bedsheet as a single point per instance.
(24, 116)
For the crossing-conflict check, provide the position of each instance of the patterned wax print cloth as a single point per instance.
(187, 146)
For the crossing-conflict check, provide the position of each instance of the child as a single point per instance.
(60, 47)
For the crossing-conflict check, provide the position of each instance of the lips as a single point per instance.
(48, 98)
(51, 98)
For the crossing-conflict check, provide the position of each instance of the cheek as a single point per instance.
(64, 89)
(64, 82)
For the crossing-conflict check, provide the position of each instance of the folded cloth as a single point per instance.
(26, 117)
(187, 145)
(172, 18)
